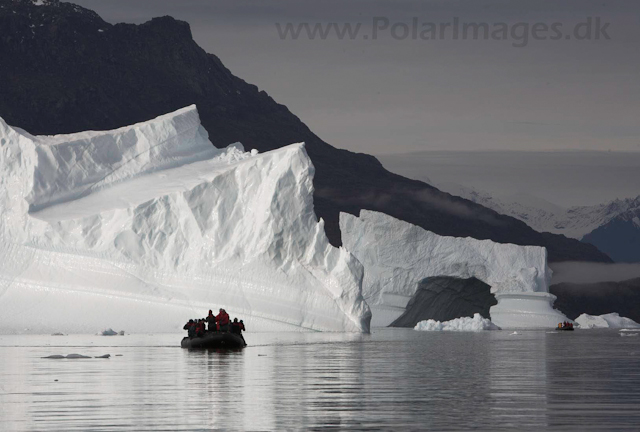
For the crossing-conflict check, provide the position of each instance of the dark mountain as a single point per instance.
(619, 237)
(63, 69)
(598, 298)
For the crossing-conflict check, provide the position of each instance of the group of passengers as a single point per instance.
(214, 323)
(565, 324)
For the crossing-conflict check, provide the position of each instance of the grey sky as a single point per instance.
(389, 95)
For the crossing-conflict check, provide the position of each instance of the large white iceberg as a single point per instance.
(477, 323)
(398, 255)
(147, 226)
(610, 320)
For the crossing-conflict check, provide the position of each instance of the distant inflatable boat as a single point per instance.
(214, 340)
(564, 328)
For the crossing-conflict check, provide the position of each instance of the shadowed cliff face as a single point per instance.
(598, 298)
(446, 298)
(63, 69)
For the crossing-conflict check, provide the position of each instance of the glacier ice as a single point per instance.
(149, 225)
(610, 320)
(477, 323)
(398, 255)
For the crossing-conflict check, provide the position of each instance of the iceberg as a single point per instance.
(610, 320)
(477, 323)
(149, 225)
(398, 255)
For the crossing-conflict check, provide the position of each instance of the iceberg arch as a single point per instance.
(398, 255)
(149, 225)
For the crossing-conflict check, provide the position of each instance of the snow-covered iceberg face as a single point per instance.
(398, 255)
(147, 226)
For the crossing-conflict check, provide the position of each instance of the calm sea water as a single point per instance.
(396, 379)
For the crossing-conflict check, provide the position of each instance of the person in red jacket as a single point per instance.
(200, 328)
(191, 328)
(223, 320)
(211, 320)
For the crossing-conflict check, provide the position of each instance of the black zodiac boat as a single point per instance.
(214, 340)
(564, 328)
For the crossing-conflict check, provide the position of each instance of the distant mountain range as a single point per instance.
(63, 69)
(613, 227)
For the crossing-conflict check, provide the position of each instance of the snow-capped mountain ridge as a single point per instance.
(573, 222)
(613, 227)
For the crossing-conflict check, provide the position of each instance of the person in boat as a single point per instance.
(211, 321)
(559, 325)
(240, 330)
(190, 327)
(223, 320)
(237, 327)
(200, 328)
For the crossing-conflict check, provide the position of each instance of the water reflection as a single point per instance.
(518, 378)
(593, 377)
(390, 379)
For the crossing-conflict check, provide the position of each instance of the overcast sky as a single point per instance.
(401, 94)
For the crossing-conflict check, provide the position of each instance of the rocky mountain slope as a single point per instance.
(63, 69)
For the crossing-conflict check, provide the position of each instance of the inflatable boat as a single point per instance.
(214, 340)
(564, 328)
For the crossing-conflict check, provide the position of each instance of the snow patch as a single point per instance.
(611, 320)
(477, 323)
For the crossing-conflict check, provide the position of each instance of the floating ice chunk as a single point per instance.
(104, 356)
(398, 255)
(109, 332)
(477, 323)
(628, 334)
(611, 320)
(149, 224)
